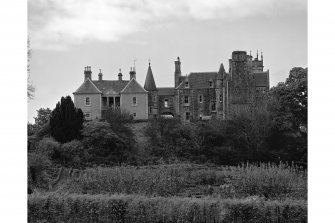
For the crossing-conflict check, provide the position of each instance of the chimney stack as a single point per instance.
(88, 73)
(120, 75)
(177, 72)
(100, 75)
(132, 73)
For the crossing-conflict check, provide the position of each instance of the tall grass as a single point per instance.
(264, 180)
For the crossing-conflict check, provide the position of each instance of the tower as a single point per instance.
(150, 86)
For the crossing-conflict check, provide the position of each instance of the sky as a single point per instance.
(66, 36)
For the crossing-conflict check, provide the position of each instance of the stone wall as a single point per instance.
(94, 109)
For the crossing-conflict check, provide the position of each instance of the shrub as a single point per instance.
(53, 207)
(37, 164)
(102, 144)
(48, 147)
(73, 154)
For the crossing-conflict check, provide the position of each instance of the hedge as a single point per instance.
(55, 207)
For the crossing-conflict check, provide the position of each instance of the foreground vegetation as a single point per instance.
(53, 207)
(266, 181)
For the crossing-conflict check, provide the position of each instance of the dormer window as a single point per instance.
(166, 103)
(211, 84)
(186, 84)
(87, 101)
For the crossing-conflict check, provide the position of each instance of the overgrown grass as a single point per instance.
(264, 180)
(53, 207)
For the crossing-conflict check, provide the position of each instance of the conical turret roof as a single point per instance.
(149, 84)
(221, 72)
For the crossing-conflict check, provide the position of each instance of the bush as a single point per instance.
(103, 145)
(48, 147)
(53, 207)
(37, 164)
(73, 154)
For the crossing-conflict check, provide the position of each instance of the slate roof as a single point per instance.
(261, 79)
(111, 87)
(149, 84)
(87, 88)
(222, 72)
(200, 80)
(133, 87)
(165, 91)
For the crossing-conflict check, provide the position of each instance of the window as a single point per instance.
(186, 100)
(150, 110)
(213, 106)
(87, 101)
(87, 115)
(154, 98)
(220, 97)
(134, 101)
(134, 114)
(186, 84)
(211, 83)
(200, 98)
(187, 115)
(166, 103)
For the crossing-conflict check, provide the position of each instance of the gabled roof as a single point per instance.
(149, 84)
(111, 87)
(165, 91)
(133, 87)
(87, 87)
(261, 79)
(199, 80)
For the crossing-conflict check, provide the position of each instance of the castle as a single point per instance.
(198, 95)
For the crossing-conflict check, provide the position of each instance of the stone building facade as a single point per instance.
(198, 95)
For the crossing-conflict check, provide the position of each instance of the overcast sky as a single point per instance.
(67, 35)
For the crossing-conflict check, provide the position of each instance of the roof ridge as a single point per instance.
(133, 79)
(93, 84)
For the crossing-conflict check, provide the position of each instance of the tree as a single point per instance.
(288, 109)
(66, 121)
(30, 86)
(43, 116)
(103, 145)
(288, 101)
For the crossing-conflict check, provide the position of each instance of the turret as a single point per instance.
(177, 72)
(150, 84)
(88, 73)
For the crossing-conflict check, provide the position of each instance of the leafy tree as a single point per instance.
(66, 121)
(103, 145)
(43, 116)
(288, 109)
(30, 86)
